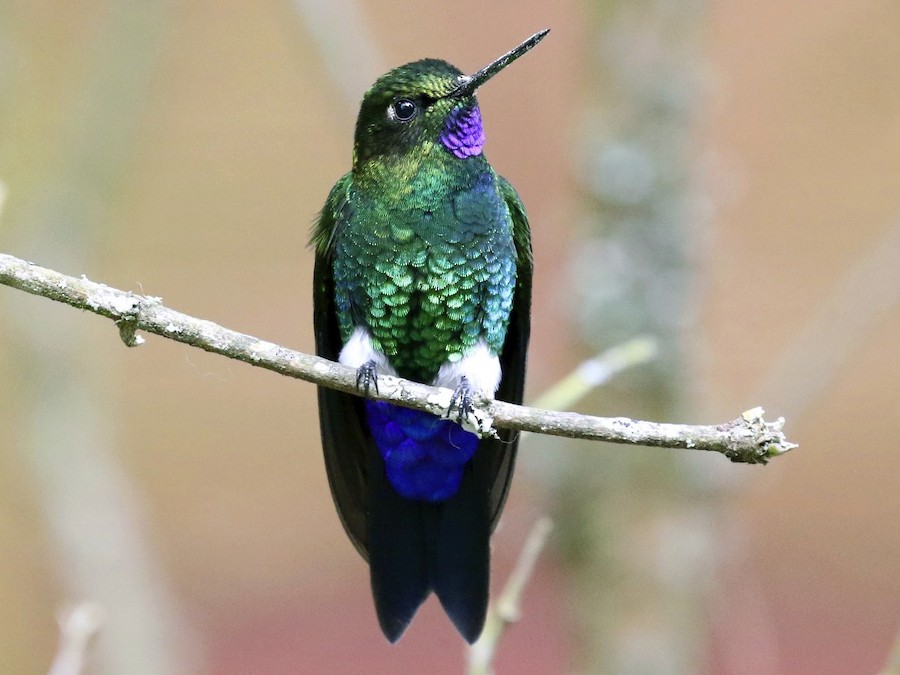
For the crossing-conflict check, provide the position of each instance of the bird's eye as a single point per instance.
(404, 110)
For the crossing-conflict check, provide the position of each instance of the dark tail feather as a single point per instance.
(415, 547)
(462, 553)
(398, 553)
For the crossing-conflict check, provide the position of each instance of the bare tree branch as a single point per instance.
(77, 625)
(749, 438)
(892, 667)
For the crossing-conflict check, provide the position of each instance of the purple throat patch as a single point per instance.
(463, 133)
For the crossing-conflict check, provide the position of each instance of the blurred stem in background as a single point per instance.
(349, 50)
(637, 528)
(58, 207)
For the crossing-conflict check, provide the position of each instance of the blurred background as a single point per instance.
(723, 176)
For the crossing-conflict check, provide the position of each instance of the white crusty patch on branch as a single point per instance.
(749, 438)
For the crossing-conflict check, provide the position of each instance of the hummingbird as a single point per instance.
(423, 270)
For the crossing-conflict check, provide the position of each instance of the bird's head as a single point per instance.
(426, 106)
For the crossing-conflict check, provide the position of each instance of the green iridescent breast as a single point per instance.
(428, 270)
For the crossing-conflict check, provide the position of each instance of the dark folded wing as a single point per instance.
(345, 437)
(502, 451)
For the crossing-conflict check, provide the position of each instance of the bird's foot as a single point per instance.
(462, 400)
(366, 376)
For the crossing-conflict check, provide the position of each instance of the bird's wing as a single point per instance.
(345, 437)
(502, 451)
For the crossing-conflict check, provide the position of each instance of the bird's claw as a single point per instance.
(462, 400)
(366, 376)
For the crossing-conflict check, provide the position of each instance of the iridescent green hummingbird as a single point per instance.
(423, 270)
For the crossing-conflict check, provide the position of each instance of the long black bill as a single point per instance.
(469, 83)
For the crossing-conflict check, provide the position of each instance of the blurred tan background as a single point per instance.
(183, 150)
